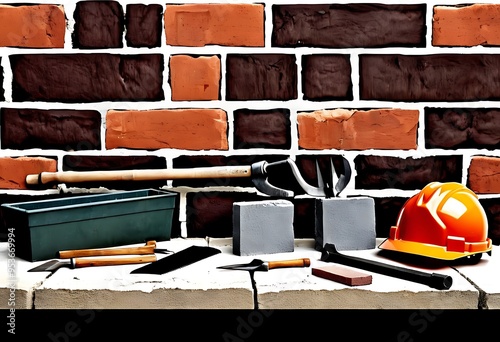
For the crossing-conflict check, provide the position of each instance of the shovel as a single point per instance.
(258, 172)
(260, 265)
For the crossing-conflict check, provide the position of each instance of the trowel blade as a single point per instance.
(51, 266)
(177, 260)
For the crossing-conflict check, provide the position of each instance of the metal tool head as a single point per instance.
(328, 186)
(254, 265)
(163, 251)
(53, 265)
(260, 180)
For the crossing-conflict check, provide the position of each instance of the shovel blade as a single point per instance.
(51, 266)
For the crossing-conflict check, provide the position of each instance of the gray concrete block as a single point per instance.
(349, 223)
(263, 227)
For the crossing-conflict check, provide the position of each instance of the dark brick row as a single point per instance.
(445, 128)
(210, 214)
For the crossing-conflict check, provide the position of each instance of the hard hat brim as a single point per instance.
(423, 249)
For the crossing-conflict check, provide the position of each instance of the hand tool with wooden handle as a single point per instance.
(149, 248)
(259, 265)
(258, 172)
(53, 265)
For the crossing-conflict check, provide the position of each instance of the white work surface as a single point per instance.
(202, 286)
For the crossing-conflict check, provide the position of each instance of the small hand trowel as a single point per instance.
(53, 265)
(259, 265)
(114, 256)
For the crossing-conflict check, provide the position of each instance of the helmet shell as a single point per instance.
(443, 221)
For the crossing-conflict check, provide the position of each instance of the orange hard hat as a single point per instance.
(443, 221)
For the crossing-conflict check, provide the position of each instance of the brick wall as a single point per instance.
(407, 92)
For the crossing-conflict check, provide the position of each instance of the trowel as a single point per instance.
(260, 265)
(53, 265)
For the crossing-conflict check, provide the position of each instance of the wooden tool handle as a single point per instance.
(305, 262)
(233, 171)
(148, 249)
(112, 260)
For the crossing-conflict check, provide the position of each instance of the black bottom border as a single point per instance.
(251, 325)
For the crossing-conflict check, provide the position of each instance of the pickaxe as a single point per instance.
(258, 172)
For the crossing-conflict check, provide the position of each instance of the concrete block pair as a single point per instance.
(266, 227)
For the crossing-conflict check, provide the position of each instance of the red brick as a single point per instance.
(358, 129)
(484, 175)
(220, 24)
(343, 275)
(477, 24)
(194, 78)
(38, 26)
(13, 171)
(190, 129)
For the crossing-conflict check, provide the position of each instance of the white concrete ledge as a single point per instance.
(203, 286)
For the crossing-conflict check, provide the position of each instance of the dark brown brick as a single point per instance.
(2, 92)
(261, 77)
(382, 172)
(50, 129)
(211, 213)
(303, 218)
(98, 25)
(453, 128)
(144, 25)
(442, 77)
(326, 77)
(87, 77)
(386, 214)
(262, 128)
(492, 208)
(351, 25)
(111, 163)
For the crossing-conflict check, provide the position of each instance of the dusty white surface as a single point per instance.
(14, 275)
(195, 286)
(486, 275)
(203, 286)
(299, 289)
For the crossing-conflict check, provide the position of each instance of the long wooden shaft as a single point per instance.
(139, 175)
(113, 260)
(141, 250)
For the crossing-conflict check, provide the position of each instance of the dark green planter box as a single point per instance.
(45, 227)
